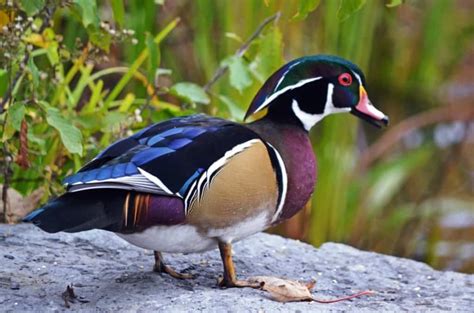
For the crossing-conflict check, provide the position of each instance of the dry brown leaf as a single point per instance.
(284, 290)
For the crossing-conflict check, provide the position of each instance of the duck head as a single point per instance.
(307, 89)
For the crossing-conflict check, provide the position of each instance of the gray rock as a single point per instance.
(110, 275)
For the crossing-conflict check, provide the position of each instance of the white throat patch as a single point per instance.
(309, 120)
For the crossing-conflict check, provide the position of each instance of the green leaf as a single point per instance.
(3, 81)
(34, 72)
(239, 73)
(270, 56)
(190, 93)
(304, 8)
(113, 119)
(87, 10)
(394, 3)
(31, 7)
(70, 135)
(91, 122)
(100, 38)
(236, 112)
(40, 143)
(119, 11)
(16, 113)
(348, 7)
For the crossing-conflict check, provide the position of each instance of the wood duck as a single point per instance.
(192, 183)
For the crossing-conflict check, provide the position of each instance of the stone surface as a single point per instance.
(110, 275)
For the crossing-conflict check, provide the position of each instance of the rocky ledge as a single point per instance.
(109, 275)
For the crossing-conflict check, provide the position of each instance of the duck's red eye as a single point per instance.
(345, 79)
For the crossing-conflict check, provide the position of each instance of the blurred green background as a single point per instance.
(101, 70)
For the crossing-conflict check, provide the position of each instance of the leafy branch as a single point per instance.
(221, 70)
(45, 13)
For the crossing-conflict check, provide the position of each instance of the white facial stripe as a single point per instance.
(284, 75)
(329, 107)
(309, 120)
(287, 88)
(358, 78)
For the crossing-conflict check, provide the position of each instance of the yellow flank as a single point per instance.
(246, 186)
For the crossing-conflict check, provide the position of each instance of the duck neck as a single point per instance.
(294, 146)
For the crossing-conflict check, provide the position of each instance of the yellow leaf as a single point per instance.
(36, 39)
(4, 19)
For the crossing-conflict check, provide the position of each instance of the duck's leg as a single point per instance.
(161, 267)
(229, 278)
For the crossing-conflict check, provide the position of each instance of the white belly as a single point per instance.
(186, 238)
(173, 239)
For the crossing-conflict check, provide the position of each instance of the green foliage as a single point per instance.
(270, 56)
(70, 135)
(394, 3)
(190, 93)
(119, 11)
(239, 72)
(87, 10)
(305, 7)
(15, 115)
(3, 81)
(348, 8)
(31, 7)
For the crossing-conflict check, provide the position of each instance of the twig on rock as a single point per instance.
(68, 296)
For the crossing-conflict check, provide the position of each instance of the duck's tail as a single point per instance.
(82, 210)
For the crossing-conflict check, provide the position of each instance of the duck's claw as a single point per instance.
(223, 283)
(229, 279)
(161, 267)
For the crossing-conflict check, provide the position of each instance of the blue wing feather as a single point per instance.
(175, 152)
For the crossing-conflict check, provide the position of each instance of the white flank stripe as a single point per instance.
(200, 187)
(187, 199)
(155, 180)
(216, 166)
(284, 181)
(287, 88)
(229, 154)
